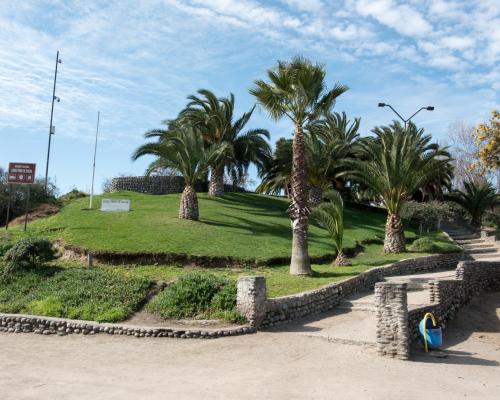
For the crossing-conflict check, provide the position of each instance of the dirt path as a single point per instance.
(267, 365)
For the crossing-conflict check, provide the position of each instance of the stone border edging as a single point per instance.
(21, 323)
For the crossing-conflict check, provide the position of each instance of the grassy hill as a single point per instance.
(243, 225)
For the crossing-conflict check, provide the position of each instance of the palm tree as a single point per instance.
(398, 162)
(476, 198)
(341, 136)
(297, 90)
(330, 215)
(276, 176)
(180, 148)
(215, 119)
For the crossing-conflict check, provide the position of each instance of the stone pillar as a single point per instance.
(251, 299)
(391, 303)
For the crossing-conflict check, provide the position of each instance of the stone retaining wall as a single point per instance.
(397, 326)
(16, 323)
(159, 185)
(289, 308)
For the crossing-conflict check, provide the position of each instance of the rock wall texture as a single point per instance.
(15, 323)
(288, 308)
(446, 296)
(391, 302)
(159, 185)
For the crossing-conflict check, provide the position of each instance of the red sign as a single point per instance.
(21, 173)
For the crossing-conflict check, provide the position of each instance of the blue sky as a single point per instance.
(137, 61)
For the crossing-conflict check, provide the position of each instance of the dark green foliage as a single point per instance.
(28, 253)
(225, 299)
(426, 216)
(88, 294)
(476, 198)
(5, 245)
(71, 195)
(433, 245)
(196, 295)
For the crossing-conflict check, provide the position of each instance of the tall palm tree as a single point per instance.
(215, 119)
(330, 216)
(476, 198)
(297, 90)
(180, 148)
(398, 162)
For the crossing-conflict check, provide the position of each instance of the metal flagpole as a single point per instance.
(51, 128)
(93, 165)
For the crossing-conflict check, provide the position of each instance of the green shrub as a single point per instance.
(88, 294)
(50, 306)
(28, 253)
(5, 245)
(225, 299)
(432, 245)
(72, 195)
(196, 295)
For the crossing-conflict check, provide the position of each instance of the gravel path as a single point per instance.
(267, 365)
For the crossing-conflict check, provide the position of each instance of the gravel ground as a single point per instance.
(267, 365)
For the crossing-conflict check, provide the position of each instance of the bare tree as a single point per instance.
(464, 153)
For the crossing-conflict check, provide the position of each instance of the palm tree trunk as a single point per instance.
(394, 235)
(216, 186)
(315, 196)
(188, 208)
(299, 210)
(341, 260)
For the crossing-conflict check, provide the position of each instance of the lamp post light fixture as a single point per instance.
(428, 108)
(52, 128)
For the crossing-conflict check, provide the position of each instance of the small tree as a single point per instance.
(181, 147)
(476, 198)
(330, 215)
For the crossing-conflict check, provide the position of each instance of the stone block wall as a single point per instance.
(391, 302)
(446, 296)
(285, 309)
(159, 185)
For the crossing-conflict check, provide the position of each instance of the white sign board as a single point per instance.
(115, 205)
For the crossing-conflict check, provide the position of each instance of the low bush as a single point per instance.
(433, 245)
(28, 253)
(88, 294)
(5, 245)
(197, 295)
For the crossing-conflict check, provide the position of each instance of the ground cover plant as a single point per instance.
(88, 294)
(243, 225)
(197, 295)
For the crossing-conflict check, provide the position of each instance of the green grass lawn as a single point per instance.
(278, 279)
(242, 225)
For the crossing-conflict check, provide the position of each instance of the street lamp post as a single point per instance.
(51, 127)
(428, 108)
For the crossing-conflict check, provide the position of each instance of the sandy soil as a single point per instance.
(267, 365)
(143, 318)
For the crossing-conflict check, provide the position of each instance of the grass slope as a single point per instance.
(240, 225)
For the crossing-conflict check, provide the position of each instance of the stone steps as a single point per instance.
(484, 250)
(469, 241)
(487, 256)
(475, 246)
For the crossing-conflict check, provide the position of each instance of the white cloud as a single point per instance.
(312, 6)
(402, 18)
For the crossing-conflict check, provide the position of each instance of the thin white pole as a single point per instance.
(93, 165)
